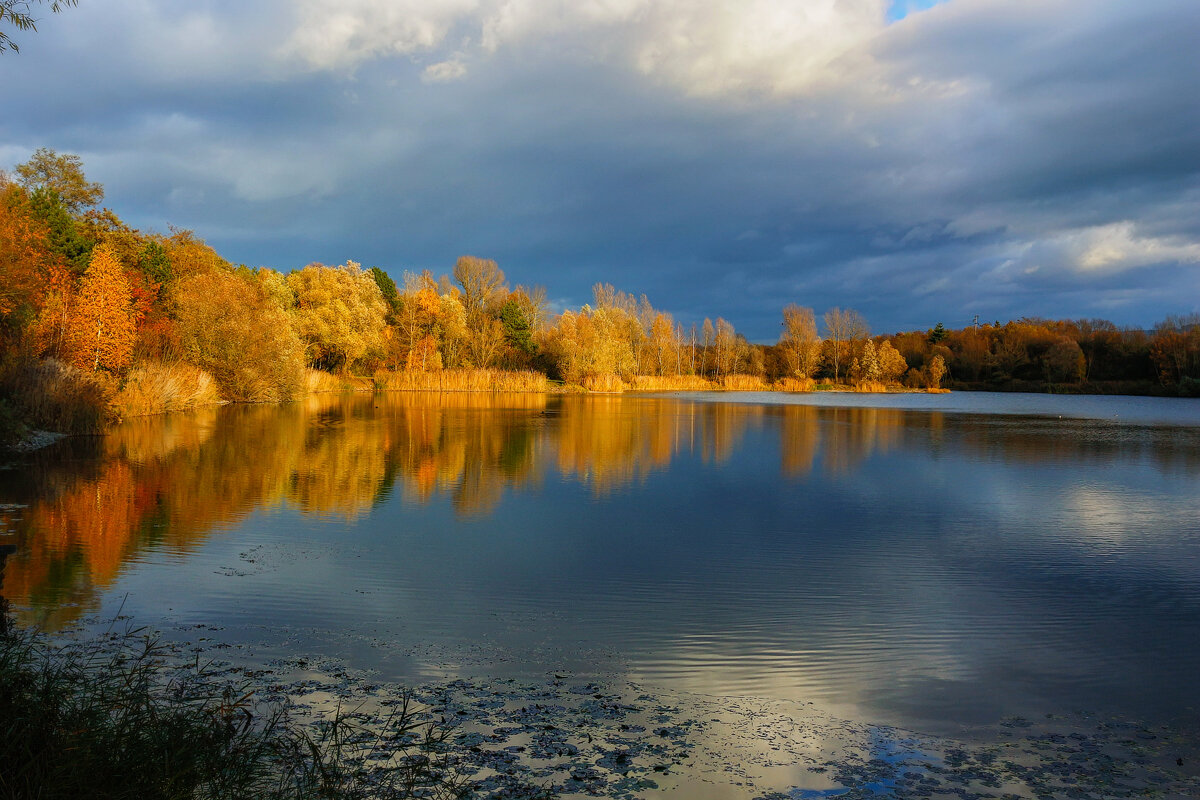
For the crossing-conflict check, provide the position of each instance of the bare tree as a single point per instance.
(482, 283)
(843, 329)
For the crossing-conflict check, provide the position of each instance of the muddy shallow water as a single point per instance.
(818, 591)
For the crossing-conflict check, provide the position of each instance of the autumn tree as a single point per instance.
(339, 315)
(101, 328)
(935, 370)
(1175, 349)
(590, 343)
(1064, 362)
(25, 259)
(892, 365)
(533, 303)
(844, 328)
(238, 329)
(800, 344)
(62, 175)
(483, 292)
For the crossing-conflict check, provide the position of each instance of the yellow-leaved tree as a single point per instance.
(101, 326)
(340, 314)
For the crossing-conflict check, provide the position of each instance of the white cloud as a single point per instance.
(444, 71)
(702, 47)
(1116, 247)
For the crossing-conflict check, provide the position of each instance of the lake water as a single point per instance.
(936, 562)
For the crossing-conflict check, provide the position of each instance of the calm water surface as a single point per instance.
(947, 561)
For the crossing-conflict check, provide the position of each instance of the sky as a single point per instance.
(919, 161)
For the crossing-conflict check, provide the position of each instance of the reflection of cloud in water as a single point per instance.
(883, 560)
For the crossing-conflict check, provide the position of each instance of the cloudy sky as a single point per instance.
(918, 161)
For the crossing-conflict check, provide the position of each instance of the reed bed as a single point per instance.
(743, 383)
(157, 387)
(671, 383)
(794, 385)
(56, 396)
(319, 382)
(604, 383)
(872, 387)
(463, 380)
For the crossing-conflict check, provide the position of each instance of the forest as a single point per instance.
(100, 321)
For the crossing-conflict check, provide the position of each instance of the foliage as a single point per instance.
(387, 288)
(934, 372)
(517, 330)
(844, 330)
(26, 264)
(61, 175)
(231, 327)
(101, 325)
(339, 315)
(17, 13)
(800, 343)
(67, 237)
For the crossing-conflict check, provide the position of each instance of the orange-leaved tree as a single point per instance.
(101, 326)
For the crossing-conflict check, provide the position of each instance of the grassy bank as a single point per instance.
(110, 719)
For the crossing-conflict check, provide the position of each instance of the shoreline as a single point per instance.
(611, 736)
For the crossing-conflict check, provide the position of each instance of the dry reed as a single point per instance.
(794, 385)
(671, 383)
(318, 382)
(871, 387)
(742, 383)
(603, 383)
(155, 388)
(58, 397)
(462, 380)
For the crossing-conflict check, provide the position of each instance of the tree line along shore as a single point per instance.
(100, 321)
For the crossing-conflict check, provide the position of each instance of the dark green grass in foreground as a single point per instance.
(109, 720)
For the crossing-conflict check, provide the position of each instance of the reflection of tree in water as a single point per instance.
(94, 503)
(841, 438)
(608, 442)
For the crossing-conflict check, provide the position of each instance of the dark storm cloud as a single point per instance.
(987, 158)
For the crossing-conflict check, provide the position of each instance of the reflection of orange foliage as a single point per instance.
(170, 481)
(857, 432)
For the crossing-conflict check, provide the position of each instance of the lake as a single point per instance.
(937, 563)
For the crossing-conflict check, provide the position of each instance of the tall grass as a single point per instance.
(463, 380)
(155, 387)
(794, 385)
(742, 383)
(603, 383)
(671, 383)
(871, 387)
(108, 720)
(56, 396)
(319, 382)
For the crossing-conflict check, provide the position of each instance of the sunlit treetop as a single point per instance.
(62, 175)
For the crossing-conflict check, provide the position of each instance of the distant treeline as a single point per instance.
(98, 319)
